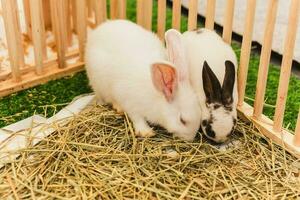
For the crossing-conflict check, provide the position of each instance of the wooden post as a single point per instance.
(113, 9)
(46, 14)
(81, 26)
(100, 11)
(26, 8)
(122, 9)
(90, 8)
(161, 18)
(59, 24)
(193, 13)
(139, 12)
(38, 34)
(229, 12)
(297, 132)
(53, 17)
(176, 14)
(74, 15)
(148, 4)
(210, 14)
(286, 65)
(246, 50)
(13, 37)
(265, 59)
(144, 13)
(67, 13)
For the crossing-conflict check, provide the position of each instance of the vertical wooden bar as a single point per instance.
(26, 8)
(113, 9)
(148, 4)
(122, 9)
(176, 14)
(144, 13)
(229, 12)
(286, 65)
(161, 18)
(13, 37)
(246, 50)
(53, 16)
(100, 11)
(38, 34)
(265, 59)
(68, 20)
(210, 14)
(90, 8)
(74, 16)
(59, 23)
(297, 132)
(81, 26)
(46, 14)
(139, 12)
(193, 13)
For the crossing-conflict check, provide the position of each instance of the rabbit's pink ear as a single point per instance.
(176, 53)
(164, 77)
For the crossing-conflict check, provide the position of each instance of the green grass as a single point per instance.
(49, 98)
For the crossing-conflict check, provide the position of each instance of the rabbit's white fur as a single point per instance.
(206, 45)
(119, 57)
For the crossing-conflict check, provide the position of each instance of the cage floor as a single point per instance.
(97, 156)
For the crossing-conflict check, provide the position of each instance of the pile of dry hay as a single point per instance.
(97, 156)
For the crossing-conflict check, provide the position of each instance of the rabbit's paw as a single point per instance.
(117, 108)
(145, 133)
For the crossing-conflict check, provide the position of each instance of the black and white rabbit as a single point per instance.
(128, 67)
(213, 67)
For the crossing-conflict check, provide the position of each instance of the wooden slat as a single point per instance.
(53, 17)
(144, 13)
(176, 14)
(228, 20)
(26, 8)
(286, 65)
(100, 11)
(59, 24)
(46, 14)
(13, 37)
(148, 6)
(297, 132)
(122, 8)
(139, 12)
(67, 13)
(90, 8)
(210, 14)
(246, 50)
(81, 26)
(74, 16)
(113, 9)
(193, 12)
(161, 18)
(265, 59)
(38, 34)
(265, 126)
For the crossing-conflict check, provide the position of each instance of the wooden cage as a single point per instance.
(66, 17)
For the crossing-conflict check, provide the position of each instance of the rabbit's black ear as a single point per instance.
(211, 85)
(228, 83)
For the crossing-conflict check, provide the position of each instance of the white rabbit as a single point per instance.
(213, 67)
(127, 66)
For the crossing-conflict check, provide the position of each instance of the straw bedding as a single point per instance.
(96, 156)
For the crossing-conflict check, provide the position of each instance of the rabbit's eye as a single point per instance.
(228, 107)
(182, 121)
(216, 106)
